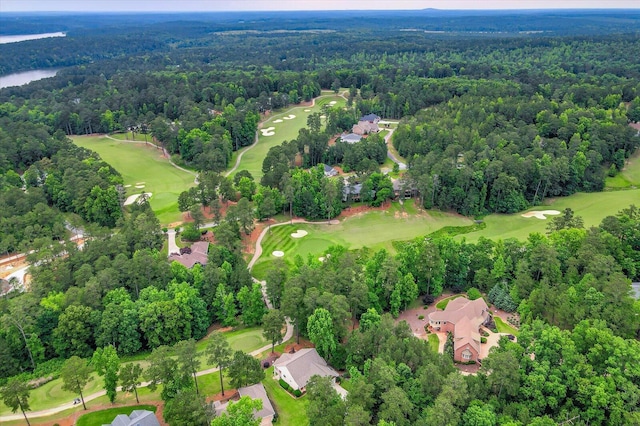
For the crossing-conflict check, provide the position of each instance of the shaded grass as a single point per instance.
(291, 411)
(503, 327)
(593, 207)
(138, 162)
(287, 130)
(444, 302)
(434, 342)
(629, 176)
(106, 416)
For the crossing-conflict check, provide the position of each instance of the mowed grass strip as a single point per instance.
(629, 176)
(139, 162)
(291, 411)
(592, 207)
(285, 130)
(106, 416)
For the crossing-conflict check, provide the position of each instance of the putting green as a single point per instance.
(139, 162)
(593, 207)
(281, 126)
(373, 229)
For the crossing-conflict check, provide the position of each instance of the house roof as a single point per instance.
(137, 418)
(370, 117)
(350, 138)
(257, 391)
(330, 170)
(461, 307)
(303, 364)
(198, 254)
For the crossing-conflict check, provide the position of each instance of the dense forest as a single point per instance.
(496, 114)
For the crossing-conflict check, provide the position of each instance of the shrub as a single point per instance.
(285, 385)
(190, 233)
(483, 340)
(473, 293)
(297, 393)
(420, 317)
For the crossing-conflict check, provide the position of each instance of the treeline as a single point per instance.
(43, 176)
(501, 152)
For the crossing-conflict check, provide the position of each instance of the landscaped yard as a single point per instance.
(444, 302)
(291, 411)
(434, 342)
(143, 165)
(503, 327)
(373, 229)
(107, 416)
(285, 128)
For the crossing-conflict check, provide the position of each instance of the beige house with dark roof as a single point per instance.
(297, 368)
(463, 318)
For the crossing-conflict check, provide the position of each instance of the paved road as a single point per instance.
(393, 158)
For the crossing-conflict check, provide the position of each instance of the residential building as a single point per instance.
(197, 253)
(297, 368)
(137, 418)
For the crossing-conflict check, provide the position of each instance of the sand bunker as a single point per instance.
(541, 214)
(278, 253)
(269, 131)
(132, 198)
(333, 103)
(139, 186)
(299, 233)
(277, 121)
(127, 186)
(323, 116)
(290, 117)
(307, 110)
(140, 183)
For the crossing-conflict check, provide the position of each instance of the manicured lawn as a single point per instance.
(291, 411)
(503, 327)
(107, 416)
(630, 175)
(285, 130)
(375, 229)
(434, 342)
(444, 302)
(593, 207)
(141, 163)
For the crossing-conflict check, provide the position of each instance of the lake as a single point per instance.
(20, 78)
(24, 37)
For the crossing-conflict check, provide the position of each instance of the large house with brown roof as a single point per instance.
(197, 253)
(463, 318)
(367, 124)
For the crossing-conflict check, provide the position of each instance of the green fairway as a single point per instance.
(593, 207)
(106, 416)
(51, 394)
(285, 130)
(141, 163)
(629, 177)
(374, 229)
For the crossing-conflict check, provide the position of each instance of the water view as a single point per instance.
(20, 78)
(24, 37)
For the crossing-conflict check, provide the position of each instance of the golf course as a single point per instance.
(280, 127)
(144, 169)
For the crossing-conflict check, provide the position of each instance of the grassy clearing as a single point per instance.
(291, 411)
(434, 342)
(285, 130)
(503, 327)
(630, 175)
(374, 229)
(593, 207)
(143, 163)
(106, 416)
(444, 302)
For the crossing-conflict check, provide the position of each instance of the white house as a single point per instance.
(297, 368)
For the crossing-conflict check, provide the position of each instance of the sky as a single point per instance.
(261, 5)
